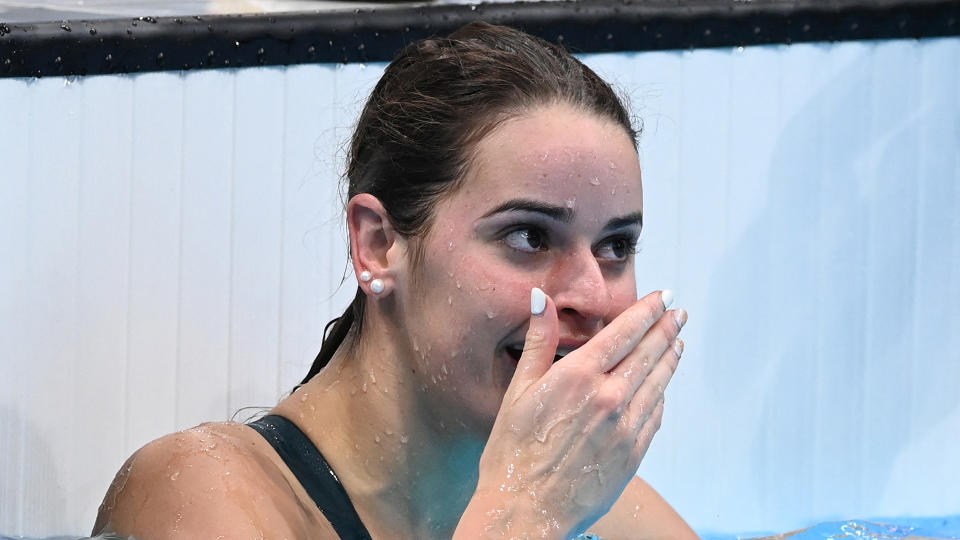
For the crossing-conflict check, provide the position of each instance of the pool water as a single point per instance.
(883, 528)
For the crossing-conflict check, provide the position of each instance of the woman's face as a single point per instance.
(553, 199)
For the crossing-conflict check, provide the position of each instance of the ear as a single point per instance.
(374, 244)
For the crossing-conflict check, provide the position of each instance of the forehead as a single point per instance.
(559, 155)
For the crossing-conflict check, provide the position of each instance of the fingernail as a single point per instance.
(678, 347)
(666, 296)
(680, 315)
(538, 301)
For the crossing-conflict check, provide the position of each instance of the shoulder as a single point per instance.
(641, 513)
(214, 480)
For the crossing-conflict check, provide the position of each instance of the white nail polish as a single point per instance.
(666, 296)
(538, 301)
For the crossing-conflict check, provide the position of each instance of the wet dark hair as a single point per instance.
(435, 101)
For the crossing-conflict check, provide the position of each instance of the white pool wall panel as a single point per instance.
(172, 247)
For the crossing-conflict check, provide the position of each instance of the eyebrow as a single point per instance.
(561, 213)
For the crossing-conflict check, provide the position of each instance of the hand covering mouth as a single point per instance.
(515, 352)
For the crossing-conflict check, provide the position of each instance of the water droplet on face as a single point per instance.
(376, 439)
(458, 284)
(571, 202)
(491, 314)
(65, 27)
(450, 246)
(174, 476)
(595, 181)
(93, 31)
(404, 438)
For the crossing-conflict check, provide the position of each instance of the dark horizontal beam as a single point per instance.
(90, 47)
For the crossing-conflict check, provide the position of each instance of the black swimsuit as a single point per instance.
(314, 473)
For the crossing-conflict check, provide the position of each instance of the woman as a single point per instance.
(495, 375)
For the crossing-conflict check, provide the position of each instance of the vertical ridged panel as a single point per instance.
(933, 407)
(50, 310)
(838, 330)
(154, 255)
(205, 248)
(14, 367)
(104, 231)
(256, 237)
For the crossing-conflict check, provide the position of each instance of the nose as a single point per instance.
(579, 289)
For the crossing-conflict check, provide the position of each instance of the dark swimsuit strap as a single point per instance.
(314, 473)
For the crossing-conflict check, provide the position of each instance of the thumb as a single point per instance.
(540, 345)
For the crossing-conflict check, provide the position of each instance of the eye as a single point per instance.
(617, 248)
(526, 239)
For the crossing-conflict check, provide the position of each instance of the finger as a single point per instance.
(648, 430)
(638, 363)
(650, 393)
(621, 336)
(540, 345)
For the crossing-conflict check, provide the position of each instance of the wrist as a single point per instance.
(497, 514)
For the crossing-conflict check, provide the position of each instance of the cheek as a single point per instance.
(496, 291)
(623, 294)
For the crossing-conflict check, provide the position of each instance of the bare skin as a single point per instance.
(450, 419)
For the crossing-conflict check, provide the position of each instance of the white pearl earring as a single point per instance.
(365, 276)
(376, 286)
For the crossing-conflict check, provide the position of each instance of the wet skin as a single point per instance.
(553, 200)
